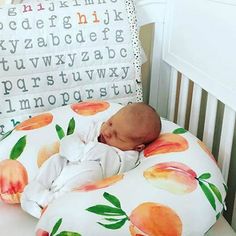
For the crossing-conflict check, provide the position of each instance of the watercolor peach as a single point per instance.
(154, 219)
(47, 151)
(174, 177)
(166, 143)
(41, 232)
(35, 122)
(206, 150)
(13, 179)
(100, 184)
(90, 108)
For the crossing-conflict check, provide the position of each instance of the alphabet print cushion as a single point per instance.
(176, 190)
(54, 53)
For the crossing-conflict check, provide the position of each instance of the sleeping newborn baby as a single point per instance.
(102, 150)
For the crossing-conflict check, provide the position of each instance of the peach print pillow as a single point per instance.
(176, 183)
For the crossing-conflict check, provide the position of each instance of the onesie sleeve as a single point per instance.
(36, 194)
(112, 160)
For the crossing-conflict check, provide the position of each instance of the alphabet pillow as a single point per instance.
(54, 53)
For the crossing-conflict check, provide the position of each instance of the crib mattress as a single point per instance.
(15, 222)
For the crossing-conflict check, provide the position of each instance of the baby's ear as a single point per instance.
(139, 147)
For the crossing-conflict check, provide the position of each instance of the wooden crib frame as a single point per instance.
(180, 93)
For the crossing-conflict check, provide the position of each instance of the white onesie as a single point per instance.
(81, 160)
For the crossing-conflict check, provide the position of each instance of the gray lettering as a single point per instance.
(9, 106)
(78, 76)
(117, 15)
(50, 80)
(7, 86)
(126, 70)
(85, 56)
(4, 62)
(35, 79)
(20, 64)
(89, 91)
(63, 75)
(41, 42)
(90, 74)
(113, 72)
(1, 45)
(39, 99)
(52, 99)
(47, 60)
(65, 98)
(60, 61)
(28, 43)
(72, 58)
(34, 61)
(21, 85)
(24, 104)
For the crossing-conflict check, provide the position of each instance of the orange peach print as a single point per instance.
(35, 122)
(153, 219)
(174, 177)
(47, 151)
(166, 143)
(90, 108)
(13, 179)
(41, 232)
(206, 150)
(100, 184)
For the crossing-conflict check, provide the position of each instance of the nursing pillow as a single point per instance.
(177, 189)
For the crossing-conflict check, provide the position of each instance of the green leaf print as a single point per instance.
(218, 216)
(71, 127)
(6, 135)
(225, 187)
(205, 176)
(115, 221)
(116, 225)
(56, 227)
(208, 194)
(18, 148)
(111, 219)
(106, 210)
(60, 132)
(179, 131)
(216, 191)
(68, 233)
(112, 199)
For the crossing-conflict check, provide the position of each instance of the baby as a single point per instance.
(102, 150)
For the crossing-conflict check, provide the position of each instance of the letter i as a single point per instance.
(96, 20)
(40, 7)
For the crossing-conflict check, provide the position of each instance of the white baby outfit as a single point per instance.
(81, 160)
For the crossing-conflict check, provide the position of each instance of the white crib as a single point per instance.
(180, 88)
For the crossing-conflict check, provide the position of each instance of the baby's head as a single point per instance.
(131, 128)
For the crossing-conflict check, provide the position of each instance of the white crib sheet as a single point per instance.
(15, 222)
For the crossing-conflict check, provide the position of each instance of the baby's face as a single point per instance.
(117, 132)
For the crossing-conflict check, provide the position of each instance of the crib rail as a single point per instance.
(211, 121)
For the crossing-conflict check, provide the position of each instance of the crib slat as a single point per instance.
(183, 99)
(195, 109)
(234, 215)
(172, 94)
(226, 141)
(210, 119)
